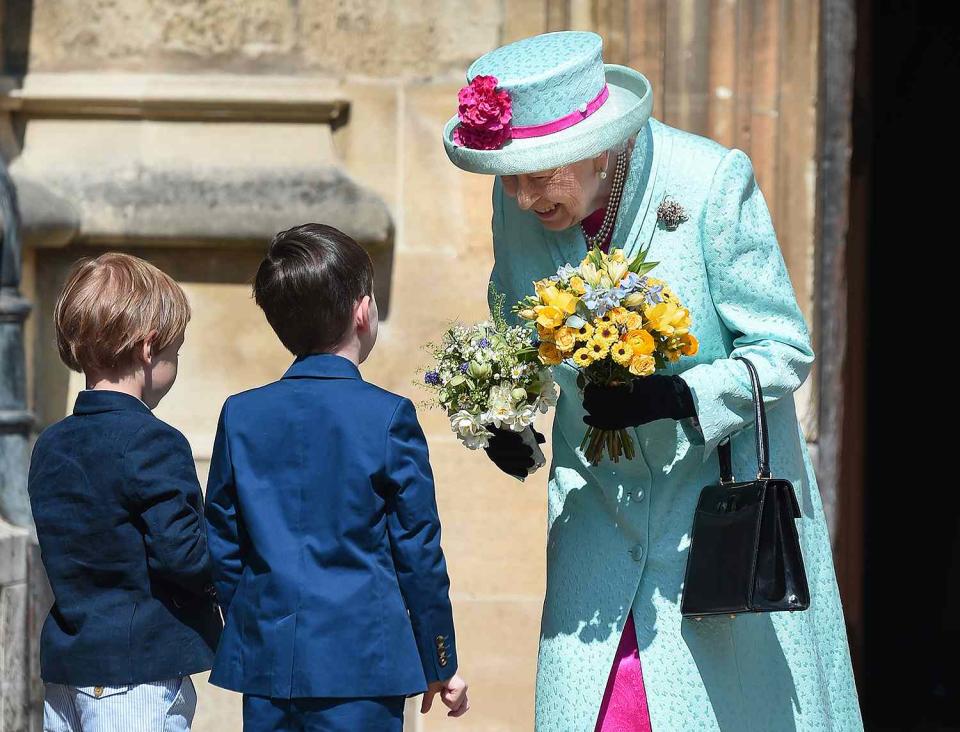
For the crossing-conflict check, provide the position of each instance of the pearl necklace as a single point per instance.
(613, 204)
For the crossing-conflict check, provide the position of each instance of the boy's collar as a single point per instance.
(93, 401)
(322, 366)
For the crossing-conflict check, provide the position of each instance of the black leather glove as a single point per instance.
(658, 396)
(508, 452)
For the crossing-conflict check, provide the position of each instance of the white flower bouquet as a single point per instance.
(489, 375)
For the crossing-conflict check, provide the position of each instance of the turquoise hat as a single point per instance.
(542, 102)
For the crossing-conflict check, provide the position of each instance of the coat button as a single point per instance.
(442, 662)
(98, 691)
(637, 552)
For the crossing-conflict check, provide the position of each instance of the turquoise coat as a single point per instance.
(618, 534)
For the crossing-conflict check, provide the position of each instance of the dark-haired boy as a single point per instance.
(322, 520)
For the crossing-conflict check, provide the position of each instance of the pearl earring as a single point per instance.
(602, 174)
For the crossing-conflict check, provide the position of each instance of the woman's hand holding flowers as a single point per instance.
(658, 396)
(508, 451)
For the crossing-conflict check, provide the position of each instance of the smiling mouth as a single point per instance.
(545, 213)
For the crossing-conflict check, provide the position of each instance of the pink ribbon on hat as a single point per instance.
(485, 114)
(569, 120)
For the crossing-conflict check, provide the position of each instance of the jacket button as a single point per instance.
(637, 552)
(98, 691)
(442, 662)
(439, 640)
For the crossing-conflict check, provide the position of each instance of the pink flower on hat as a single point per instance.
(485, 115)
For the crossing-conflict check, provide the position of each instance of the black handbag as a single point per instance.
(744, 554)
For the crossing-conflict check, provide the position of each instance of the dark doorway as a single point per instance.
(905, 136)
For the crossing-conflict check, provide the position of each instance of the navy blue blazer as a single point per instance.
(323, 527)
(119, 517)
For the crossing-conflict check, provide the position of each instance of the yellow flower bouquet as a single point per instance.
(614, 322)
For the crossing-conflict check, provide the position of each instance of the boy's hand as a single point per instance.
(453, 693)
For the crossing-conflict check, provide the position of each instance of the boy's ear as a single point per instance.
(362, 313)
(147, 348)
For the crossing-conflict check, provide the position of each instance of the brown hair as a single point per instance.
(109, 305)
(308, 285)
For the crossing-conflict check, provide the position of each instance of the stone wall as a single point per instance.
(398, 65)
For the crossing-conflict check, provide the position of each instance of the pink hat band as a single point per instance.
(569, 120)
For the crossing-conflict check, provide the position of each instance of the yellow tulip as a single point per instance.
(616, 270)
(576, 284)
(642, 365)
(618, 256)
(566, 302)
(590, 274)
(640, 341)
(664, 316)
(549, 316)
(634, 299)
(565, 339)
(549, 354)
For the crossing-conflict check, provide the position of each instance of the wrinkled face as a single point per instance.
(160, 371)
(560, 197)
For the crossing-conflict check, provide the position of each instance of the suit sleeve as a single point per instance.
(414, 529)
(754, 297)
(223, 521)
(165, 494)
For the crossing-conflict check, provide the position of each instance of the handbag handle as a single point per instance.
(763, 443)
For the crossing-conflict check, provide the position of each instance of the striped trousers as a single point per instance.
(159, 706)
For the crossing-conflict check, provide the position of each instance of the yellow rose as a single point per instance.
(549, 354)
(576, 284)
(622, 353)
(583, 357)
(549, 316)
(634, 299)
(598, 348)
(632, 320)
(690, 345)
(566, 339)
(617, 314)
(642, 365)
(640, 341)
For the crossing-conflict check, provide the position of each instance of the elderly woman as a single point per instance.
(578, 161)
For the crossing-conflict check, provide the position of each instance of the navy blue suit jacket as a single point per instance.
(323, 527)
(119, 517)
